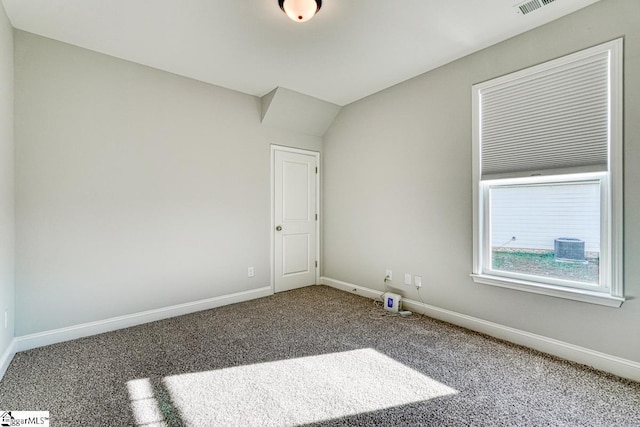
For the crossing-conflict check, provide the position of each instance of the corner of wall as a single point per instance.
(7, 194)
(6, 357)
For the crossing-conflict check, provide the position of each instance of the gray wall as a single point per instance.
(397, 187)
(136, 188)
(6, 181)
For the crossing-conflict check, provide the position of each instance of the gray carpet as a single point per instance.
(314, 356)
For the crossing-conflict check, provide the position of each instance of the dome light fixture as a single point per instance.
(300, 10)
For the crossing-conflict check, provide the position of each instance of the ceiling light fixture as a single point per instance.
(300, 10)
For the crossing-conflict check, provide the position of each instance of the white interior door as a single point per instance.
(295, 218)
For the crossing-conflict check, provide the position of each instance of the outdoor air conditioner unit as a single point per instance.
(568, 248)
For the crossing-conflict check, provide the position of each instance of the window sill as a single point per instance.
(554, 291)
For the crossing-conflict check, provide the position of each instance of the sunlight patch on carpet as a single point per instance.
(300, 391)
(144, 405)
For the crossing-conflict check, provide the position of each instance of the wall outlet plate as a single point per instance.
(389, 275)
(407, 278)
(417, 280)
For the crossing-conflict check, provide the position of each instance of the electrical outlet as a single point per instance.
(389, 275)
(417, 280)
(250, 272)
(407, 278)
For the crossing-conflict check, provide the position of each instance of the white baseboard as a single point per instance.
(605, 362)
(7, 357)
(351, 288)
(27, 342)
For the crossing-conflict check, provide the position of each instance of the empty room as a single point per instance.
(306, 212)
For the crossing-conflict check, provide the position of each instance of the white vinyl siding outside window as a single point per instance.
(548, 178)
(533, 217)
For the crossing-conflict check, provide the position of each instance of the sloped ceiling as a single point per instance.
(351, 49)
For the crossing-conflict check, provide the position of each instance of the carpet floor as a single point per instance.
(316, 357)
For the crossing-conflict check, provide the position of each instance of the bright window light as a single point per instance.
(528, 226)
(143, 404)
(292, 392)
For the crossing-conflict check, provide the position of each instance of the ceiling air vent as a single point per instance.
(529, 6)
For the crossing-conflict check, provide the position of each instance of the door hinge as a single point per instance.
(316, 169)
(316, 217)
(316, 264)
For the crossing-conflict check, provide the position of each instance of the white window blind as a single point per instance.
(553, 121)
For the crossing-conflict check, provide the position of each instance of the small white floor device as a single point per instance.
(392, 302)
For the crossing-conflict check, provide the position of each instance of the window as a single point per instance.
(547, 146)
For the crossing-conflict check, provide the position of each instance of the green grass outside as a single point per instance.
(543, 263)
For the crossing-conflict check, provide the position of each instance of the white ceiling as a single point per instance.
(351, 49)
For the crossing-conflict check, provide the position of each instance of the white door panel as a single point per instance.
(295, 254)
(295, 192)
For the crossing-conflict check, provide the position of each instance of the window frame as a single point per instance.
(611, 290)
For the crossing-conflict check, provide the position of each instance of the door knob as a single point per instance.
(279, 228)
